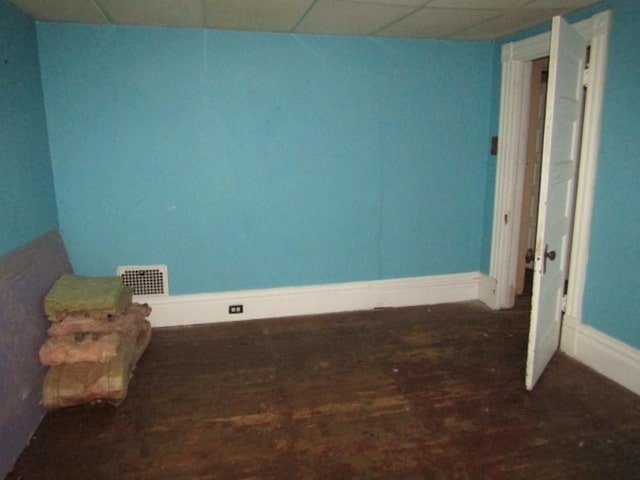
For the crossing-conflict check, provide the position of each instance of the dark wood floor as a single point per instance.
(413, 393)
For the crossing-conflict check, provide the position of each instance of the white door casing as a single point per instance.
(516, 69)
(557, 183)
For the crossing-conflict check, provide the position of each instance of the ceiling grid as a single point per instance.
(449, 19)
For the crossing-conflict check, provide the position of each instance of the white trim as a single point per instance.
(588, 163)
(516, 61)
(487, 290)
(508, 196)
(606, 355)
(180, 310)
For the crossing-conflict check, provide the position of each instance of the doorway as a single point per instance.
(517, 65)
(531, 180)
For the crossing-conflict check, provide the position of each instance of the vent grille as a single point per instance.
(147, 280)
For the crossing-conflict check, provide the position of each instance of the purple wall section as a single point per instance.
(26, 275)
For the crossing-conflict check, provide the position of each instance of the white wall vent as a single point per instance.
(147, 280)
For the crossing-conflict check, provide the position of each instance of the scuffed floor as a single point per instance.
(432, 392)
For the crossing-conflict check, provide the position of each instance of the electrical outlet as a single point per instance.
(235, 309)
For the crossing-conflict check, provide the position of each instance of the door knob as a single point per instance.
(528, 258)
(551, 255)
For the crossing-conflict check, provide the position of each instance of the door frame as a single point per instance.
(517, 58)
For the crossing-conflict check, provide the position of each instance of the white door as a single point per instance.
(557, 182)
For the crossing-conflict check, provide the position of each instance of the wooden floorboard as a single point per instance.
(434, 392)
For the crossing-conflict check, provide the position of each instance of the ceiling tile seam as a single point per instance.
(530, 2)
(303, 16)
(382, 3)
(475, 25)
(562, 5)
(103, 11)
(204, 13)
(466, 9)
(504, 11)
(393, 22)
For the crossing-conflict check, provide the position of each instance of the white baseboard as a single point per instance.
(487, 290)
(610, 357)
(179, 310)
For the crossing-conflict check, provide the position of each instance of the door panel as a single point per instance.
(559, 160)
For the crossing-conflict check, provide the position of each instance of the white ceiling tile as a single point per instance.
(271, 15)
(155, 12)
(82, 11)
(560, 4)
(349, 18)
(437, 22)
(510, 21)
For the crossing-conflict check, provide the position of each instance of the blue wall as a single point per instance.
(27, 201)
(612, 301)
(247, 160)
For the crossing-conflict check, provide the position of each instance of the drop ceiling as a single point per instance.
(450, 19)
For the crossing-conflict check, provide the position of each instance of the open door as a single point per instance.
(560, 152)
